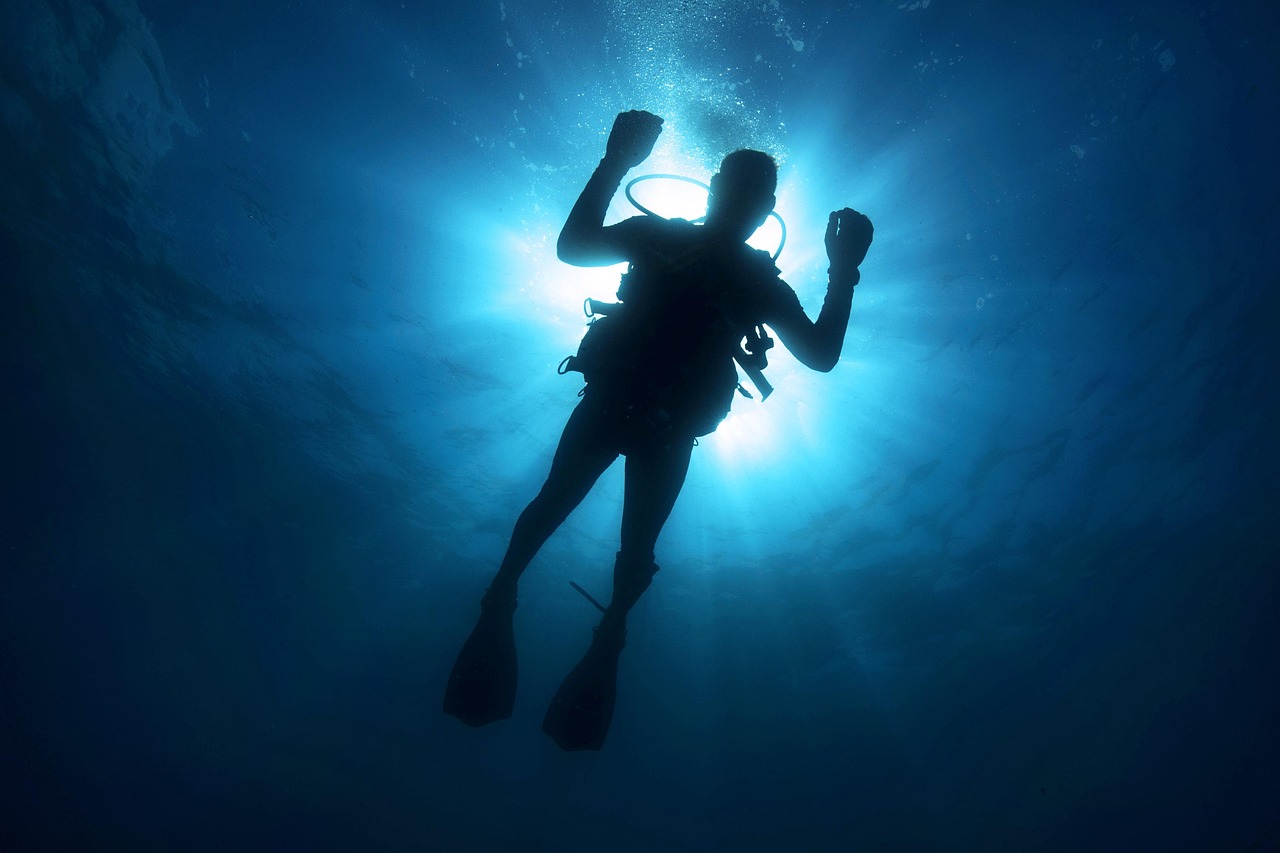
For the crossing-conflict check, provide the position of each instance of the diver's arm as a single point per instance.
(817, 345)
(584, 240)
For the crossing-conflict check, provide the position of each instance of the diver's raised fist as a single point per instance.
(848, 238)
(633, 136)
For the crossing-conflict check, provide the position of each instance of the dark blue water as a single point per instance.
(281, 315)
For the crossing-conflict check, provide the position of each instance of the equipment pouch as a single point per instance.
(600, 351)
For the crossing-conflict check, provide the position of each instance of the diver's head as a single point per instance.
(742, 193)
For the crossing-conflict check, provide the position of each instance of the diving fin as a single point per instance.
(579, 715)
(482, 685)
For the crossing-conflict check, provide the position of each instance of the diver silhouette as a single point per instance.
(660, 373)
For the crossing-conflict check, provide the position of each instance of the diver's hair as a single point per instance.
(750, 169)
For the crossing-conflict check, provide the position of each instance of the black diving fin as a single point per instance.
(579, 715)
(482, 685)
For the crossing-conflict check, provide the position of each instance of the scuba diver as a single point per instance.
(660, 372)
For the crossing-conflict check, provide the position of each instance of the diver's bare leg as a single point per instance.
(582, 708)
(654, 477)
(482, 684)
(587, 447)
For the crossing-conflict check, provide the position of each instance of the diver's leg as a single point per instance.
(582, 708)
(654, 476)
(482, 684)
(587, 447)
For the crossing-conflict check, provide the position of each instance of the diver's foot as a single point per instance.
(610, 636)
(482, 685)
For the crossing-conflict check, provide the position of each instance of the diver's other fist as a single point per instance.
(633, 136)
(848, 238)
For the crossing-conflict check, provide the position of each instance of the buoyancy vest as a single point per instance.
(668, 346)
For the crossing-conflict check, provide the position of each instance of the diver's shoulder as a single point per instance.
(676, 227)
(655, 231)
(658, 226)
(761, 262)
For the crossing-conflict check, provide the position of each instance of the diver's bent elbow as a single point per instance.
(822, 361)
(578, 250)
(825, 363)
(569, 251)
(819, 365)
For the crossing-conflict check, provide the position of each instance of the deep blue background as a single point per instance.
(281, 314)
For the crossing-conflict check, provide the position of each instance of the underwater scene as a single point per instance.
(289, 290)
